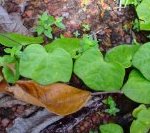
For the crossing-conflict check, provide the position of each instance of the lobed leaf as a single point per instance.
(71, 45)
(45, 68)
(98, 74)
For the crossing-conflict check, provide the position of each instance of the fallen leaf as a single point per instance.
(3, 84)
(58, 98)
(23, 95)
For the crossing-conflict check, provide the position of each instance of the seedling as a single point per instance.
(112, 110)
(14, 51)
(45, 24)
(76, 34)
(86, 27)
(136, 25)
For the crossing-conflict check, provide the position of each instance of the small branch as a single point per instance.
(102, 93)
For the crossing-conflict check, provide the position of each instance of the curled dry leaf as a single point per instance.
(58, 98)
(23, 95)
(3, 84)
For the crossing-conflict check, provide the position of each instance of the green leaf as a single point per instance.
(128, 2)
(86, 27)
(51, 20)
(59, 23)
(44, 16)
(141, 60)
(122, 54)
(144, 15)
(48, 33)
(87, 42)
(15, 51)
(10, 69)
(98, 74)
(138, 127)
(13, 39)
(144, 117)
(111, 128)
(142, 122)
(45, 68)
(138, 109)
(71, 45)
(39, 30)
(137, 88)
(6, 59)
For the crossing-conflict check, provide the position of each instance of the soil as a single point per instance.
(110, 26)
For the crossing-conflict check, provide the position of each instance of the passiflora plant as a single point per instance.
(55, 62)
(25, 57)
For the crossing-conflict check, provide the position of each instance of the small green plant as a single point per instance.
(76, 34)
(86, 27)
(45, 24)
(112, 109)
(98, 72)
(10, 62)
(136, 25)
(14, 51)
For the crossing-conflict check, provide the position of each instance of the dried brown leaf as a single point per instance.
(58, 98)
(23, 95)
(3, 84)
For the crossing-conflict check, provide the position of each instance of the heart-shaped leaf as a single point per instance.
(122, 54)
(45, 68)
(98, 74)
(137, 88)
(58, 98)
(13, 39)
(71, 45)
(141, 60)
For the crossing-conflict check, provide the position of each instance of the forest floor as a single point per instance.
(108, 24)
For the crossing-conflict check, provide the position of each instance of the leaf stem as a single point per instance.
(102, 93)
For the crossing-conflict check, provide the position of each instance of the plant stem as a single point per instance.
(102, 93)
